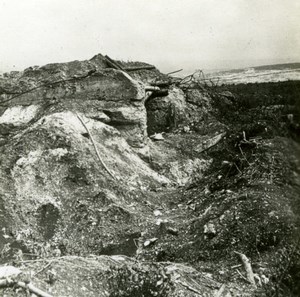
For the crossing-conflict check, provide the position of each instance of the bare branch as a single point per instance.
(248, 268)
(95, 147)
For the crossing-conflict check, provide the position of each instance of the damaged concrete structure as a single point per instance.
(213, 183)
(51, 159)
(48, 164)
(89, 87)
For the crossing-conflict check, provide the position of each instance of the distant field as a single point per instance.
(266, 73)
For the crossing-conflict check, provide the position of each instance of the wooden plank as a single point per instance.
(113, 64)
(146, 67)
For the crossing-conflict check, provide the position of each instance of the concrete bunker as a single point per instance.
(165, 112)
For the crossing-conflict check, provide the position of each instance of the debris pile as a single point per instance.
(103, 158)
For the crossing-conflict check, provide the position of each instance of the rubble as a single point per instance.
(92, 206)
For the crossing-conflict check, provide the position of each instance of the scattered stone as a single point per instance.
(172, 231)
(209, 229)
(207, 190)
(185, 171)
(150, 241)
(157, 137)
(9, 271)
(209, 143)
(228, 95)
(186, 129)
(157, 212)
(160, 221)
(19, 115)
(56, 252)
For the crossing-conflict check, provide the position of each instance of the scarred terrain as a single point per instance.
(110, 187)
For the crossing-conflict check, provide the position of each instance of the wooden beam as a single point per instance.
(113, 64)
(173, 72)
(146, 67)
(152, 88)
(162, 84)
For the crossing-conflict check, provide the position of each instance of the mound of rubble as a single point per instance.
(112, 173)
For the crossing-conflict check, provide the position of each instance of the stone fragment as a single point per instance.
(209, 229)
(9, 271)
(150, 241)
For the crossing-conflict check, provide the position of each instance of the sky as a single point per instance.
(171, 34)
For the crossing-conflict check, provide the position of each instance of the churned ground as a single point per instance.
(87, 213)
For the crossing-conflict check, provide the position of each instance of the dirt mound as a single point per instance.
(57, 182)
